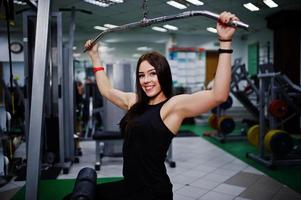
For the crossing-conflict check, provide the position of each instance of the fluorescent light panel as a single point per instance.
(19, 2)
(110, 26)
(156, 28)
(270, 3)
(170, 27)
(100, 28)
(251, 7)
(196, 2)
(145, 48)
(117, 1)
(176, 5)
(212, 30)
(98, 3)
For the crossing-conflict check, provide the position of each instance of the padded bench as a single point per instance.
(100, 138)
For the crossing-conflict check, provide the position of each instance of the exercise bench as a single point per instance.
(102, 137)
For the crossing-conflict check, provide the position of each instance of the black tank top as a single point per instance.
(144, 152)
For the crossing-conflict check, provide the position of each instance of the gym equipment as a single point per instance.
(228, 104)
(278, 142)
(49, 91)
(278, 108)
(100, 138)
(9, 16)
(108, 141)
(85, 185)
(226, 124)
(224, 106)
(253, 135)
(92, 109)
(240, 74)
(275, 146)
(3, 136)
(213, 121)
(147, 22)
(36, 114)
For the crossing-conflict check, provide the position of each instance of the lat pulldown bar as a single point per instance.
(147, 22)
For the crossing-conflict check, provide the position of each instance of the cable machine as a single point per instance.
(148, 22)
(39, 78)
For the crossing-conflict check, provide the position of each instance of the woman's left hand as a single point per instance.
(224, 31)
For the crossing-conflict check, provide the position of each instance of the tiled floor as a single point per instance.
(203, 172)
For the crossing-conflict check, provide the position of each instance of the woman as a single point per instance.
(154, 116)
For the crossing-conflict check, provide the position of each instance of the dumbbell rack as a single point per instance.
(270, 160)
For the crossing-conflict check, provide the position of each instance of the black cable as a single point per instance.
(7, 14)
(145, 9)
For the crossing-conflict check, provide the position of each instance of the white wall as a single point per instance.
(17, 70)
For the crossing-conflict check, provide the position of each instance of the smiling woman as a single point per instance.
(154, 116)
(149, 80)
(154, 76)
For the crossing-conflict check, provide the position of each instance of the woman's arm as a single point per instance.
(122, 99)
(189, 105)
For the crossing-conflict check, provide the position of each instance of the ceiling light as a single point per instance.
(195, 2)
(110, 26)
(19, 2)
(270, 3)
(156, 28)
(251, 7)
(170, 27)
(144, 48)
(136, 55)
(212, 30)
(176, 4)
(117, 1)
(113, 40)
(98, 3)
(104, 3)
(100, 28)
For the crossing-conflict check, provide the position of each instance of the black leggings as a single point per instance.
(119, 190)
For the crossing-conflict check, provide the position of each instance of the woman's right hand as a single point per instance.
(92, 49)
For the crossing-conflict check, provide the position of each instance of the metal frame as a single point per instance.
(36, 111)
(56, 78)
(68, 94)
(147, 22)
(270, 160)
(64, 140)
(26, 74)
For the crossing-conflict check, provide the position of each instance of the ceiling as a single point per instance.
(131, 11)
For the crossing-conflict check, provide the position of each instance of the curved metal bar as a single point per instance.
(147, 22)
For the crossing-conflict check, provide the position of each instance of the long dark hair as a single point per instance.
(162, 68)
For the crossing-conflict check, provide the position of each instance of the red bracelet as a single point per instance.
(95, 69)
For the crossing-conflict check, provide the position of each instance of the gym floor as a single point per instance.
(203, 172)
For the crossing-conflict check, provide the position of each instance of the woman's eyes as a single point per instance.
(151, 74)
